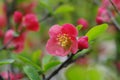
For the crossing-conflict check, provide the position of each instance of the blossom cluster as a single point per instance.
(16, 35)
(103, 14)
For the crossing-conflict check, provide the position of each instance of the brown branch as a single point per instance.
(116, 9)
(65, 64)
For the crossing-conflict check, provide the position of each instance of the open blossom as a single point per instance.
(62, 40)
(83, 42)
(12, 76)
(17, 42)
(83, 22)
(17, 17)
(31, 23)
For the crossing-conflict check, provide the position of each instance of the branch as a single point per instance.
(5, 46)
(9, 10)
(49, 14)
(65, 64)
(114, 22)
(114, 7)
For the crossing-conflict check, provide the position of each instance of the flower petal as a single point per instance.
(55, 49)
(74, 46)
(54, 30)
(69, 29)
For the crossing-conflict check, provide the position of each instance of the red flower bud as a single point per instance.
(17, 17)
(99, 20)
(83, 43)
(83, 22)
(31, 22)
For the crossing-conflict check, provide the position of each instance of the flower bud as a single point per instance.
(31, 22)
(17, 17)
(99, 20)
(83, 22)
(83, 42)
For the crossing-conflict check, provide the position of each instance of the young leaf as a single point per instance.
(45, 5)
(49, 62)
(46, 59)
(64, 9)
(51, 65)
(36, 56)
(96, 31)
(79, 27)
(7, 61)
(27, 61)
(31, 73)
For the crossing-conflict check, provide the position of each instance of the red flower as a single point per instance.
(17, 17)
(30, 21)
(62, 40)
(83, 22)
(17, 42)
(83, 42)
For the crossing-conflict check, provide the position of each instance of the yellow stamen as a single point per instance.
(64, 40)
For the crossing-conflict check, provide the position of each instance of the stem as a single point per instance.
(114, 7)
(5, 46)
(49, 14)
(59, 68)
(65, 64)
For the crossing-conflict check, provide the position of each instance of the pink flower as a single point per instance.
(83, 22)
(17, 42)
(102, 16)
(17, 17)
(62, 40)
(30, 21)
(12, 76)
(83, 42)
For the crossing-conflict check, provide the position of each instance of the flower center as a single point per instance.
(64, 40)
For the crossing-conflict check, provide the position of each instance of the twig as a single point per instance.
(5, 46)
(59, 68)
(9, 10)
(65, 64)
(49, 14)
(114, 22)
(43, 76)
(114, 7)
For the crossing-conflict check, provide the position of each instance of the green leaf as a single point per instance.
(77, 72)
(46, 59)
(36, 56)
(64, 9)
(31, 73)
(51, 65)
(79, 27)
(49, 62)
(45, 5)
(96, 31)
(7, 61)
(27, 61)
